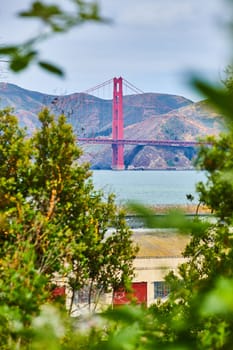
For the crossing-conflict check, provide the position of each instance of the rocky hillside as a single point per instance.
(149, 116)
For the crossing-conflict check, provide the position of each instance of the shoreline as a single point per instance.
(187, 209)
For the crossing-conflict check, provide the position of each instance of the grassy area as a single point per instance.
(187, 209)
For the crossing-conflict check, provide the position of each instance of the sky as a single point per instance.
(157, 45)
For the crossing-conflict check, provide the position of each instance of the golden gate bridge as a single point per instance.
(117, 141)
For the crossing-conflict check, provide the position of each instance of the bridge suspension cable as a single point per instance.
(132, 87)
(107, 82)
(126, 83)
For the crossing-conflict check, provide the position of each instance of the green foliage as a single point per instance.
(52, 220)
(60, 20)
(228, 81)
(50, 68)
(198, 313)
(217, 160)
(173, 219)
(55, 20)
(219, 97)
(53, 223)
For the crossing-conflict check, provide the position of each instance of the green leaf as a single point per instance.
(42, 11)
(219, 97)
(126, 314)
(21, 61)
(51, 68)
(219, 300)
(8, 50)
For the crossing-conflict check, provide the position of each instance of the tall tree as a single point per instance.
(53, 220)
(198, 313)
(201, 294)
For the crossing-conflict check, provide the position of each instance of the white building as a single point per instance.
(160, 251)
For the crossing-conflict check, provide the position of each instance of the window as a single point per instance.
(161, 289)
(82, 295)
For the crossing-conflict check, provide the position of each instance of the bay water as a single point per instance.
(149, 187)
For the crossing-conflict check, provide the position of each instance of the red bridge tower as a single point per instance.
(117, 125)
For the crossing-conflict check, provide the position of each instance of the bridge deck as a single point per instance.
(171, 143)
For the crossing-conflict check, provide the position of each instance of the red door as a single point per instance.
(139, 294)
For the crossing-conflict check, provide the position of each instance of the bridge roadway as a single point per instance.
(171, 143)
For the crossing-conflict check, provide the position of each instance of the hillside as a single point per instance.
(146, 116)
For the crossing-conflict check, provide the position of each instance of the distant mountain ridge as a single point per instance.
(146, 116)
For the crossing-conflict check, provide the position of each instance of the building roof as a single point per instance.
(160, 243)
